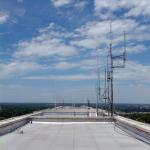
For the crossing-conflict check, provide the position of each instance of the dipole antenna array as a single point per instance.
(111, 58)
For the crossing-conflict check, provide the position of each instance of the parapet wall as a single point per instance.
(137, 129)
(12, 124)
(6, 128)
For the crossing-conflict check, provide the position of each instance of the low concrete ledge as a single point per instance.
(137, 129)
(70, 119)
(12, 124)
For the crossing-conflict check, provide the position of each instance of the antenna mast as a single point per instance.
(98, 84)
(110, 69)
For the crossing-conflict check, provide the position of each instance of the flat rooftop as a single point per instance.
(70, 136)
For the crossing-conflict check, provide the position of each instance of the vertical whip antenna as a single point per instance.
(111, 31)
(125, 49)
(98, 82)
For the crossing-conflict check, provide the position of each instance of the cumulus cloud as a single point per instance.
(60, 54)
(3, 17)
(102, 28)
(85, 64)
(49, 42)
(134, 7)
(17, 68)
(80, 4)
(96, 35)
(87, 43)
(60, 3)
(65, 65)
(44, 48)
(139, 48)
(54, 40)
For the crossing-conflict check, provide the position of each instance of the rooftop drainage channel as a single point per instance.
(140, 131)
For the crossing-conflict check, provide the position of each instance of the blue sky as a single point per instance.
(48, 49)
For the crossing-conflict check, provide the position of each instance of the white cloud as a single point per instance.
(3, 17)
(102, 28)
(132, 48)
(136, 48)
(44, 48)
(95, 35)
(16, 68)
(54, 43)
(134, 72)
(135, 7)
(80, 4)
(87, 43)
(105, 4)
(60, 3)
(66, 65)
(49, 42)
(74, 77)
(85, 64)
